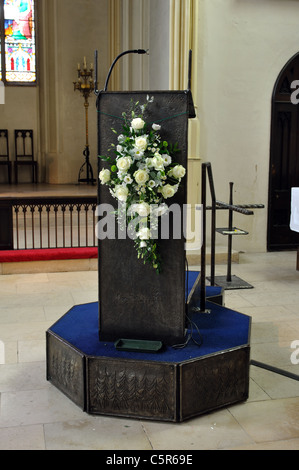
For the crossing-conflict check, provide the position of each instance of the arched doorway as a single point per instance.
(284, 159)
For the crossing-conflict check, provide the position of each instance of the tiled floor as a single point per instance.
(35, 415)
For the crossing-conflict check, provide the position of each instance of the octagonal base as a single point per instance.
(170, 385)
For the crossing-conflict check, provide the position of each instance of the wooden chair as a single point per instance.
(4, 152)
(24, 152)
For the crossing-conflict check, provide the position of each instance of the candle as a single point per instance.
(84, 63)
(79, 66)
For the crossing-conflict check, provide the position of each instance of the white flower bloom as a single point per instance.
(141, 176)
(138, 154)
(141, 142)
(151, 183)
(104, 176)
(142, 244)
(124, 163)
(149, 162)
(178, 171)
(166, 159)
(156, 127)
(168, 191)
(144, 233)
(119, 148)
(128, 179)
(137, 124)
(121, 174)
(143, 209)
(121, 138)
(158, 162)
(121, 192)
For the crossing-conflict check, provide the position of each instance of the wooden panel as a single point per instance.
(134, 301)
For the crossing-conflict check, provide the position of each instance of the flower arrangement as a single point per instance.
(142, 177)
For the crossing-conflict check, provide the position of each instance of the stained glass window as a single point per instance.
(18, 41)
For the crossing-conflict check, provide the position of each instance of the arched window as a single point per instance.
(17, 42)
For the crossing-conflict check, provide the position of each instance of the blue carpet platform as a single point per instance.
(173, 384)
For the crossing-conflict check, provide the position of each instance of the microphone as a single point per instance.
(130, 51)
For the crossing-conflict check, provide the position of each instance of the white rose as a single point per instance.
(137, 124)
(143, 209)
(119, 148)
(144, 233)
(104, 176)
(156, 127)
(141, 143)
(168, 191)
(121, 192)
(158, 162)
(124, 163)
(141, 176)
(178, 171)
(149, 162)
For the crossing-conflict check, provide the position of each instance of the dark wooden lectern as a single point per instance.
(134, 301)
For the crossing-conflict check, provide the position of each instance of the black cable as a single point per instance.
(276, 370)
(191, 324)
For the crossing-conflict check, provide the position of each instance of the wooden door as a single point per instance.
(284, 159)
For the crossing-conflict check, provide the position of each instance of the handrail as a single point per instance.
(40, 217)
(207, 168)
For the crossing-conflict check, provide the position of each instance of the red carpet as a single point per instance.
(48, 254)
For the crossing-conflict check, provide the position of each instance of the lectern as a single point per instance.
(134, 301)
(184, 378)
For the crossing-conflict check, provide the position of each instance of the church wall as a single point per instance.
(159, 45)
(81, 27)
(19, 111)
(243, 47)
(68, 30)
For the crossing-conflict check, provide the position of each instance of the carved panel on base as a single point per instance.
(132, 389)
(66, 369)
(215, 381)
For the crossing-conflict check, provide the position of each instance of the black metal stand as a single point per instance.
(89, 172)
(228, 281)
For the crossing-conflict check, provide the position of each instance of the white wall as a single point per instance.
(145, 25)
(244, 45)
(159, 45)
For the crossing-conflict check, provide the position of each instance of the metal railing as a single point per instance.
(43, 222)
